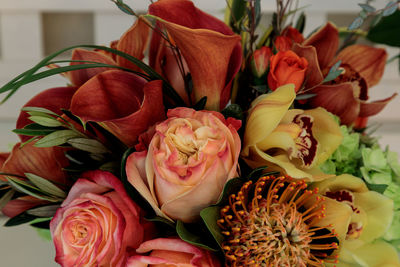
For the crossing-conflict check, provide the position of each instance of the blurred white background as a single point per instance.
(31, 29)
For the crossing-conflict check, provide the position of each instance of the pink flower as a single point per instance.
(190, 158)
(172, 252)
(97, 223)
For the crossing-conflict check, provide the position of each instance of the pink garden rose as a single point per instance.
(172, 252)
(97, 224)
(190, 158)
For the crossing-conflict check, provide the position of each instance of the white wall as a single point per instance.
(22, 44)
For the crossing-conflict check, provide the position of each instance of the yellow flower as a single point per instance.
(294, 141)
(371, 217)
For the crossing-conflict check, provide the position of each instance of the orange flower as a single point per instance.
(287, 67)
(260, 60)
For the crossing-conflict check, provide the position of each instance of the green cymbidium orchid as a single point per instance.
(294, 141)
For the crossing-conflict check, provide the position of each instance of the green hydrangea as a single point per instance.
(361, 156)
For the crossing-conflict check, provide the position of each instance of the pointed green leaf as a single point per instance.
(34, 129)
(6, 197)
(89, 145)
(29, 190)
(46, 121)
(39, 110)
(357, 22)
(44, 211)
(57, 138)
(368, 8)
(390, 8)
(45, 185)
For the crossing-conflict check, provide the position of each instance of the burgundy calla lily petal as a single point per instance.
(21, 204)
(211, 57)
(79, 77)
(121, 102)
(46, 162)
(53, 99)
(338, 99)
(367, 60)
(373, 108)
(313, 73)
(3, 158)
(326, 41)
(134, 42)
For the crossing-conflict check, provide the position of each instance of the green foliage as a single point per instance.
(386, 31)
(362, 157)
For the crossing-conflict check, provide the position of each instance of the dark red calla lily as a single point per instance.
(210, 49)
(123, 103)
(53, 99)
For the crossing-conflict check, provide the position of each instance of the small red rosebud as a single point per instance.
(260, 61)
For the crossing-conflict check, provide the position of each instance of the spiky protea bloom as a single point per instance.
(275, 222)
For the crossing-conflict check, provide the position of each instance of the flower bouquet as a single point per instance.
(196, 142)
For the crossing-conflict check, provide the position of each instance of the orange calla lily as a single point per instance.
(347, 95)
(216, 56)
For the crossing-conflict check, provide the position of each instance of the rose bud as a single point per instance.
(190, 158)
(287, 67)
(260, 61)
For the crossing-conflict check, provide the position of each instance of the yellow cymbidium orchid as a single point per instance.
(294, 141)
(371, 217)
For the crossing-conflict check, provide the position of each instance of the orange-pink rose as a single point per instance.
(97, 224)
(172, 252)
(190, 158)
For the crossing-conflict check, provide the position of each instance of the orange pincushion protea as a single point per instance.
(275, 222)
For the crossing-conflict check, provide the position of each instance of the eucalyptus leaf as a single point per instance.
(57, 138)
(6, 197)
(34, 129)
(45, 185)
(334, 72)
(390, 8)
(368, 8)
(357, 22)
(31, 191)
(305, 96)
(46, 121)
(44, 211)
(89, 145)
